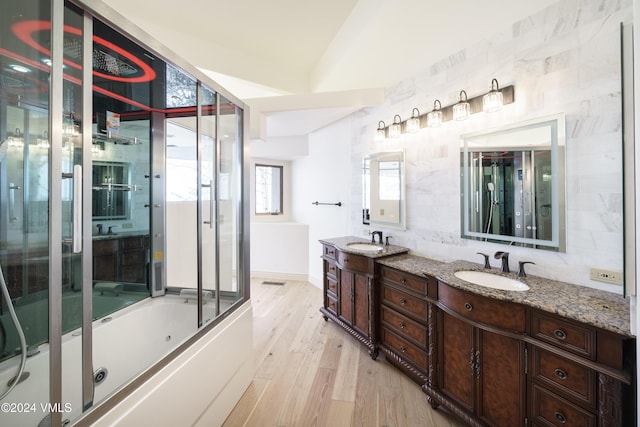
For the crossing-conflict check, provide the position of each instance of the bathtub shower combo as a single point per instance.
(122, 214)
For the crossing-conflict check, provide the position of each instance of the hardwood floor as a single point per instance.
(309, 372)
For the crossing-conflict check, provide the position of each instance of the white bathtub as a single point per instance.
(125, 343)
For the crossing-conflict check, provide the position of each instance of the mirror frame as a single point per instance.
(481, 140)
(375, 220)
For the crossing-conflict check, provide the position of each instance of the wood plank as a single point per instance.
(309, 372)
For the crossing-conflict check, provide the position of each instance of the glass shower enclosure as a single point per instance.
(122, 213)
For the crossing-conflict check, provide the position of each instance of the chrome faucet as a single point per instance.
(504, 256)
(373, 236)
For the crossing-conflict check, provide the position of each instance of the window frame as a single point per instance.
(280, 189)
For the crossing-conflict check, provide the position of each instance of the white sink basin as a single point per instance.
(490, 280)
(365, 247)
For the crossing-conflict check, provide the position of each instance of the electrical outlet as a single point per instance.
(607, 276)
(126, 225)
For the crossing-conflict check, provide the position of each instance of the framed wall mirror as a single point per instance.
(512, 184)
(383, 189)
(111, 190)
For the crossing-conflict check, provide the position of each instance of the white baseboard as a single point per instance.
(281, 276)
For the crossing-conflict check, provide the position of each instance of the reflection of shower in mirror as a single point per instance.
(3, 149)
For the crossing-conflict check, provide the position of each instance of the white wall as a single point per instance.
(198, 388)
(279, 244)
(561, 60)
(324, 176)
(280, 250)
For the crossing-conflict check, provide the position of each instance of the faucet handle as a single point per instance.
(486, 260)
(386, 239)
(521, 264)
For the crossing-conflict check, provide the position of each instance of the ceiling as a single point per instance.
(302, 64)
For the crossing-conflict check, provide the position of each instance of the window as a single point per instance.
(268, 190)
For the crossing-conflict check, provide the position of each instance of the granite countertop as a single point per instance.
(602, 309)
(341, 243)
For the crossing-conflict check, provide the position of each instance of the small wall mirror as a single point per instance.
(512, 184)
(383, 190)
(111, 190)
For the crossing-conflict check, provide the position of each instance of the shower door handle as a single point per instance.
(12, 201)
(77, 209)
(211, 207)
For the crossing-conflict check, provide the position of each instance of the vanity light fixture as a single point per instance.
(396, 128)
(493, 100)
(381, 133)
(413, 124)
(462, 110)
(434, 118)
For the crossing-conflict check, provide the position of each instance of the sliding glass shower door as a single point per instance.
(120, 185)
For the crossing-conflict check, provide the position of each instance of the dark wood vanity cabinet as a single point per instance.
(348, 294)
(579, 375)
(404, 321)
(480, 374)
(123, 259)
(489, 361)
(504, 364)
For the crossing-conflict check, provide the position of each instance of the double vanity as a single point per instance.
(503, 351)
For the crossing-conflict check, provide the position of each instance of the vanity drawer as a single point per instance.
(570, 377)
(404, 302)
(404, 326)
(550, 409)
(105, 247)
(331, 268)
(332, 304)
(405, 349)
(329, 251)
(135, 242)
(418, 284)
(501, 314)
(565, 334)
(353, 262)
(332, 286)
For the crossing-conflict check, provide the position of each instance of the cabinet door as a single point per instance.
(345, 299)
(501, 379)
(361, 304)
(457, 355)
(105, 259)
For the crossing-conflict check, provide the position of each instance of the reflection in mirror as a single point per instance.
(111, 187)
(383, 190)
(513, 184)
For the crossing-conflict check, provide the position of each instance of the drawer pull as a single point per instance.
(560, 417)
(402, 325)
(403, 281)
(403, 349)
(468, 306)
(403, 301)
(560, 334)
(561, 374)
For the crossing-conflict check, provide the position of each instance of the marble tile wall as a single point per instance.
(564, 59)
